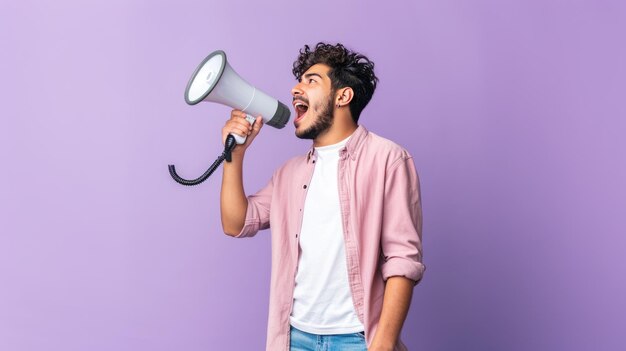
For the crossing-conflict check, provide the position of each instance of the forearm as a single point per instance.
(396, 302)
(233, 201)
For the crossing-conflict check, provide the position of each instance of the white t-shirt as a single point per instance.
(322, 301)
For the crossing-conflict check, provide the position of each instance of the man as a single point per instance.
(345, 217)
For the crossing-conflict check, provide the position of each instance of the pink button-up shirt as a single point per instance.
(381, 215)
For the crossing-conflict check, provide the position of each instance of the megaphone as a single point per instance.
(214, 80)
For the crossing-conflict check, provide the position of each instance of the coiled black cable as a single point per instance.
(226, 155)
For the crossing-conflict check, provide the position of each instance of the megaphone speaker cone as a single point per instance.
(205, 77)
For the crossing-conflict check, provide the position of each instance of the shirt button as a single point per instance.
(304, 187)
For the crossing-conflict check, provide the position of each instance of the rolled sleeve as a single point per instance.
(258, 212)
(402, 223)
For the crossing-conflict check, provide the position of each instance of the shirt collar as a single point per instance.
(352, 147)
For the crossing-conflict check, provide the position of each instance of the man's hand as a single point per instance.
(238, 124)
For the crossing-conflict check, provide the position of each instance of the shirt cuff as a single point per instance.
(402, 267)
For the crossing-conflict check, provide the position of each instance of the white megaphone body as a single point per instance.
(216, 81)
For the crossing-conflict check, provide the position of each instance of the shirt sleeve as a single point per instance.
(258, 212)
(401, 237)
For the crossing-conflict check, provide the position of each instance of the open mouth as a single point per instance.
(301, 109)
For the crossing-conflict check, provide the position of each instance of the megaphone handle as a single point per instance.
(242, 139)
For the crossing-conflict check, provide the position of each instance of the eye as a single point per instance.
(311, 80)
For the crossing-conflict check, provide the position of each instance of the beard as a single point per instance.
(323, 122)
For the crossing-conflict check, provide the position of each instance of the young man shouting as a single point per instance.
(345, 217)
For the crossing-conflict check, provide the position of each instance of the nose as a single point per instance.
(295, 91)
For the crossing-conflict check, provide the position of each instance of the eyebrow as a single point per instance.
(309, 75)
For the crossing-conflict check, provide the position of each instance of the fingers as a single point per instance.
(238, 124)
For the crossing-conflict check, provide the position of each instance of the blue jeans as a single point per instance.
(303, 341)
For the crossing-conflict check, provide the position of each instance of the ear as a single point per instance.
(344, 96)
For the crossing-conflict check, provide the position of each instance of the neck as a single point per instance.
(343, 126)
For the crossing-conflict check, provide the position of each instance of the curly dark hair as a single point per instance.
(347, 69)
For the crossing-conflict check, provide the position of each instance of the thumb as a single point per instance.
(258, 124)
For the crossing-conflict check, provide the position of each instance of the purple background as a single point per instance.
(513, 110)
